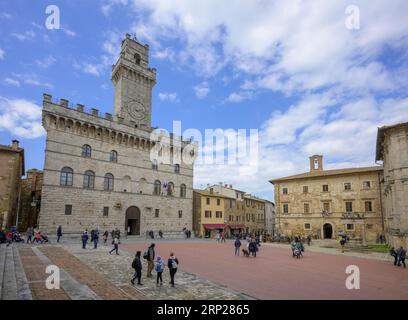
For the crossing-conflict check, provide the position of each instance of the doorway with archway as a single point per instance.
(132, 221)
(327, 231)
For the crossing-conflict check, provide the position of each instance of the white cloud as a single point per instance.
(164, 54)
(239, 96)
(12, 82)
(32, 79)
(5, 15)
(46, 62)
(168, 96)
(107, 6)
(2, 54)
(28, 35)
(94, 69)
(21, 118)
(202, 90)
(68, 32)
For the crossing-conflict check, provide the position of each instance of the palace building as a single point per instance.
(99, 171)
(327, 203)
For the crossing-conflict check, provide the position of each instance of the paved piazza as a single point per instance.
(207, 270)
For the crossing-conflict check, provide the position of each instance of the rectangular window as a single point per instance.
(105, 211)
(349, 206)
(326, 206)
(218, 214)
(325, 188)
(208, 200)
(368, 206)
(68, 209)
(218, 202)
(307, 226)
(230, 204)
(284, 190)
(347, 186)
(285, 208)
(306, 208)
(180, 214)
(156, 213)
(208, 214)
(350, 226)
(366, 185)
(369, 226)
(305, 189)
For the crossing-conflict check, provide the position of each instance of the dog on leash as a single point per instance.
(245, 252)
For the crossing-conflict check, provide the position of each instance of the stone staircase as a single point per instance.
(13, 281)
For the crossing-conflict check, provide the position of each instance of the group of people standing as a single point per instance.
(154, 263)
(399, 256)
(252, 246)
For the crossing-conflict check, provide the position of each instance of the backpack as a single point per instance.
(145, 255)
(159, 267)
(134, 264)
(174, 264)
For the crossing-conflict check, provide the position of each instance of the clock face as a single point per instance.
(136, 110)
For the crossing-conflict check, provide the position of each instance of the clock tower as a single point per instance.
(133, 81)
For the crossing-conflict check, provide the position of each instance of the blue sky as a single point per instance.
(290, 69)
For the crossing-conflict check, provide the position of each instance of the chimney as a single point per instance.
(316, 163)
(14, 144)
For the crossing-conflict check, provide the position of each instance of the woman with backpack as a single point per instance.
(172, 264)
(159, 269)
(137, 265)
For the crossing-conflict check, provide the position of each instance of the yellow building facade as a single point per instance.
(328, 203)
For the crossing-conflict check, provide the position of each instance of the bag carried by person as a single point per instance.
(134, 264)
(145, 255)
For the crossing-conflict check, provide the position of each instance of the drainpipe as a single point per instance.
(18, 205)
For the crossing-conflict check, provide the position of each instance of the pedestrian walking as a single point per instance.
(105, 237)
(9, 237)
(159, 268)
(59, 233)
(115, 243)
(401, 257)
(149, 256)
(30, 232)
(172, 264)
(137, 265)
(394, 254)
(237, 245)
(85, 238)
(342, 244)
(96, 239)
(37, 237)
(218, 237)
(309, 240)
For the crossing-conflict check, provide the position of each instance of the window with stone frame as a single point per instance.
(183, 191)
(284, 190)
(108, 182)
(180, 214)
(325, 188)
(66, 177)
(326, 207)
(218, 214)
(157, 188)
(89, 179)
(155, 165)
(366, 185)
(156, 213)
(68, 209)
(113, 156)
(368, 205)
(207, 213)
(305, 189)
(347, 186)
(86, 151)
(177, 168)
(208, 201)
(105, 211)
(170, 189)
(349, 206)
(218, 202)
(285, 208)
(349, 226)
(306, 208)
(307, 226)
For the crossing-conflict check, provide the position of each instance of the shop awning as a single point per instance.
(214, 226)
(236, 226)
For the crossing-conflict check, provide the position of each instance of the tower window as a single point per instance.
(137, 58)
(86, 151)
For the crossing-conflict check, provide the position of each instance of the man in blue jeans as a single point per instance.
(237, 245)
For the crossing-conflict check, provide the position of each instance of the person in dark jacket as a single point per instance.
(137, 265)
(237, 245)
(96, 239)
(401, 256)
(59, 233)
(253, 248)
(150, 259)
(172, 264)
(394, 254)
(85, 238)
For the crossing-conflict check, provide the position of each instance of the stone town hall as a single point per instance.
(98, 171)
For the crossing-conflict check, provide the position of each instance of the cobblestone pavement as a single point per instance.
(117, 269)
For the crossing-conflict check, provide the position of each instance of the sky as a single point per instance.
(312, 77)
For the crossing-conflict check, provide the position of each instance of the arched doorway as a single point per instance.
(327, 231)
(132, 221)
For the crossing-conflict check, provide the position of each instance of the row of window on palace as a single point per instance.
(349, 226)
(248, 203)
(325, 187)
(67, 177)
(368, 207)
(105, 211)
(113, 157)
(249, 216)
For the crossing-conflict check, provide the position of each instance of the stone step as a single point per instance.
(23, 289)
(9, 286)
(2, 266)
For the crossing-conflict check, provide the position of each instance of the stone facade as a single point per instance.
(100, 172)
(325, 203)
(30, 203)
(11, 171)
(254, 215)
(392, 149)
(270, 218)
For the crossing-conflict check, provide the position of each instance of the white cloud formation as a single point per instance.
(68, 32)
(239, 96)
(32, 79)
(108, 5)
(21, 118)
(28, 35)
(46, 62)
(12, 82)
(202, 90)
(168, 96)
